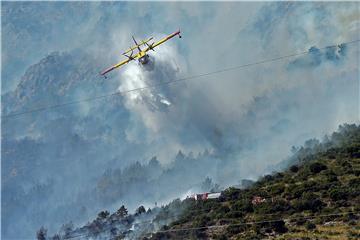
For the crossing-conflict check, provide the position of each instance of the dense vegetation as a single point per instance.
(317, 196)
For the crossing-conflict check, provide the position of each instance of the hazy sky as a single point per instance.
(250, 117)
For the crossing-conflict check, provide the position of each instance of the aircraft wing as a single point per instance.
(162, 40)
(119, 65)
(153, 45)
(143, 42)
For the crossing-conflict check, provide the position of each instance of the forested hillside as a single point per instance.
(317, 196)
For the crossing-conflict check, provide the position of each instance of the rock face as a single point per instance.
(44, 151)
(56, 77)
(32, 30)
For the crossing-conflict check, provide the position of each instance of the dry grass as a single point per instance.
(338, 231)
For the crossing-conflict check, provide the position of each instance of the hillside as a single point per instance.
(317, 196)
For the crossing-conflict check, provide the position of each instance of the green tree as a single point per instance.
(317, 167)
(41, 233)
(66, 229)
(308, 201)
(294, 168)
(140, 210)
(56, 237)
(279, 226)
(338, 194)
(122, 211)
(310, 226)
(103, 214)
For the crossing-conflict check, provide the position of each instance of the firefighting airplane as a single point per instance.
(142, 55)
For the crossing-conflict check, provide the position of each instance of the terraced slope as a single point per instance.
(316, 197)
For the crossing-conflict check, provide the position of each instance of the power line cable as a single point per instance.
(96, 98)
(200, 211)
(224, 225)
(207, 210)
(255, 222)
(236, 224)
(195, 212)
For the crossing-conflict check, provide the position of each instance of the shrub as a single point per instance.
(352, 223)
(235, 214)
(277, 189)
(199, 234)
(338, 194)
(280, 206)
(350, 217)
(355, 182)
(202, 221)
(317, 167)
(353, 235)
(279, 226)
(279, 175)
(236, 229)
(268, 178)
(56, 237)
(140, 210)
(309, 201)
(231, 193)
(263, 208)
(304, 174)
(222, 211)
(253, 236)
(122, 211)
(268, 227)
(331, 177)
(296, 191)
(220, 237)
(243, 206)
(310, 226)
(103, 214)
(294, 168)
(41, 234)
(300, 221)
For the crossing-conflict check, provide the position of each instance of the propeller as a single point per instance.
(150, 46)
(130, 57)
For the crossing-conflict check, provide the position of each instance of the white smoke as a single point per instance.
(150, 108)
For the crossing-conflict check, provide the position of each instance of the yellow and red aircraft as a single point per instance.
(142, 55)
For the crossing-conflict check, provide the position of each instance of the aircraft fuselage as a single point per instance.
(144, 59)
